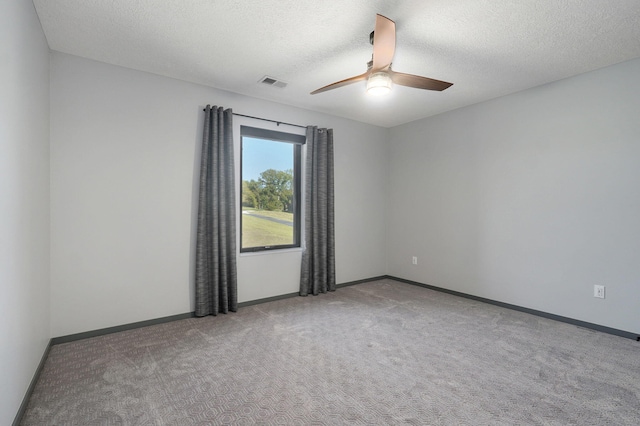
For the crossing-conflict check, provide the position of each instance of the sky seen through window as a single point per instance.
(259, 155)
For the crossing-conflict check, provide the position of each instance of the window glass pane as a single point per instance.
(269, 190)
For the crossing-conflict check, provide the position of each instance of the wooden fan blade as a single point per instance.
(384, 43)
(418, 82)
(341, 83)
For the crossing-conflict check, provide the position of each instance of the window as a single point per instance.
(270, 189)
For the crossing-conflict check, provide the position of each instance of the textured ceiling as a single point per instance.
(487, 48)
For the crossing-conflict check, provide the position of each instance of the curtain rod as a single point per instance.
(266, 119)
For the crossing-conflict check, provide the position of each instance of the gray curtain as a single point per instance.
(216, 275)
(318, 272)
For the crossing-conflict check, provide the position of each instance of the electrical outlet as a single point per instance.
(598, 291)
(414, 260)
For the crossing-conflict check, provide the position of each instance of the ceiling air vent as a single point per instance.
(270, 81)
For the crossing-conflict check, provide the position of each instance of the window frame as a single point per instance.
(297, 141)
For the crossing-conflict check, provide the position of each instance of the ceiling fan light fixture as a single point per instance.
(378, 84)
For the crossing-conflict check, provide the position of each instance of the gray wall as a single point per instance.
(24, 201)
(124, 146)
(528, 199)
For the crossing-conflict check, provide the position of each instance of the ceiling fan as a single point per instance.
(379, 74)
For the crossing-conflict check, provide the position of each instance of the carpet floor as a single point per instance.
(382, 352)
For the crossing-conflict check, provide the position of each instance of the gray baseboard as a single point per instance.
(32, 385)
(584, 324)
(131, 326)
(134, 325)
(288, 295)
(368, 280)
(267, 299)
(124, 327)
